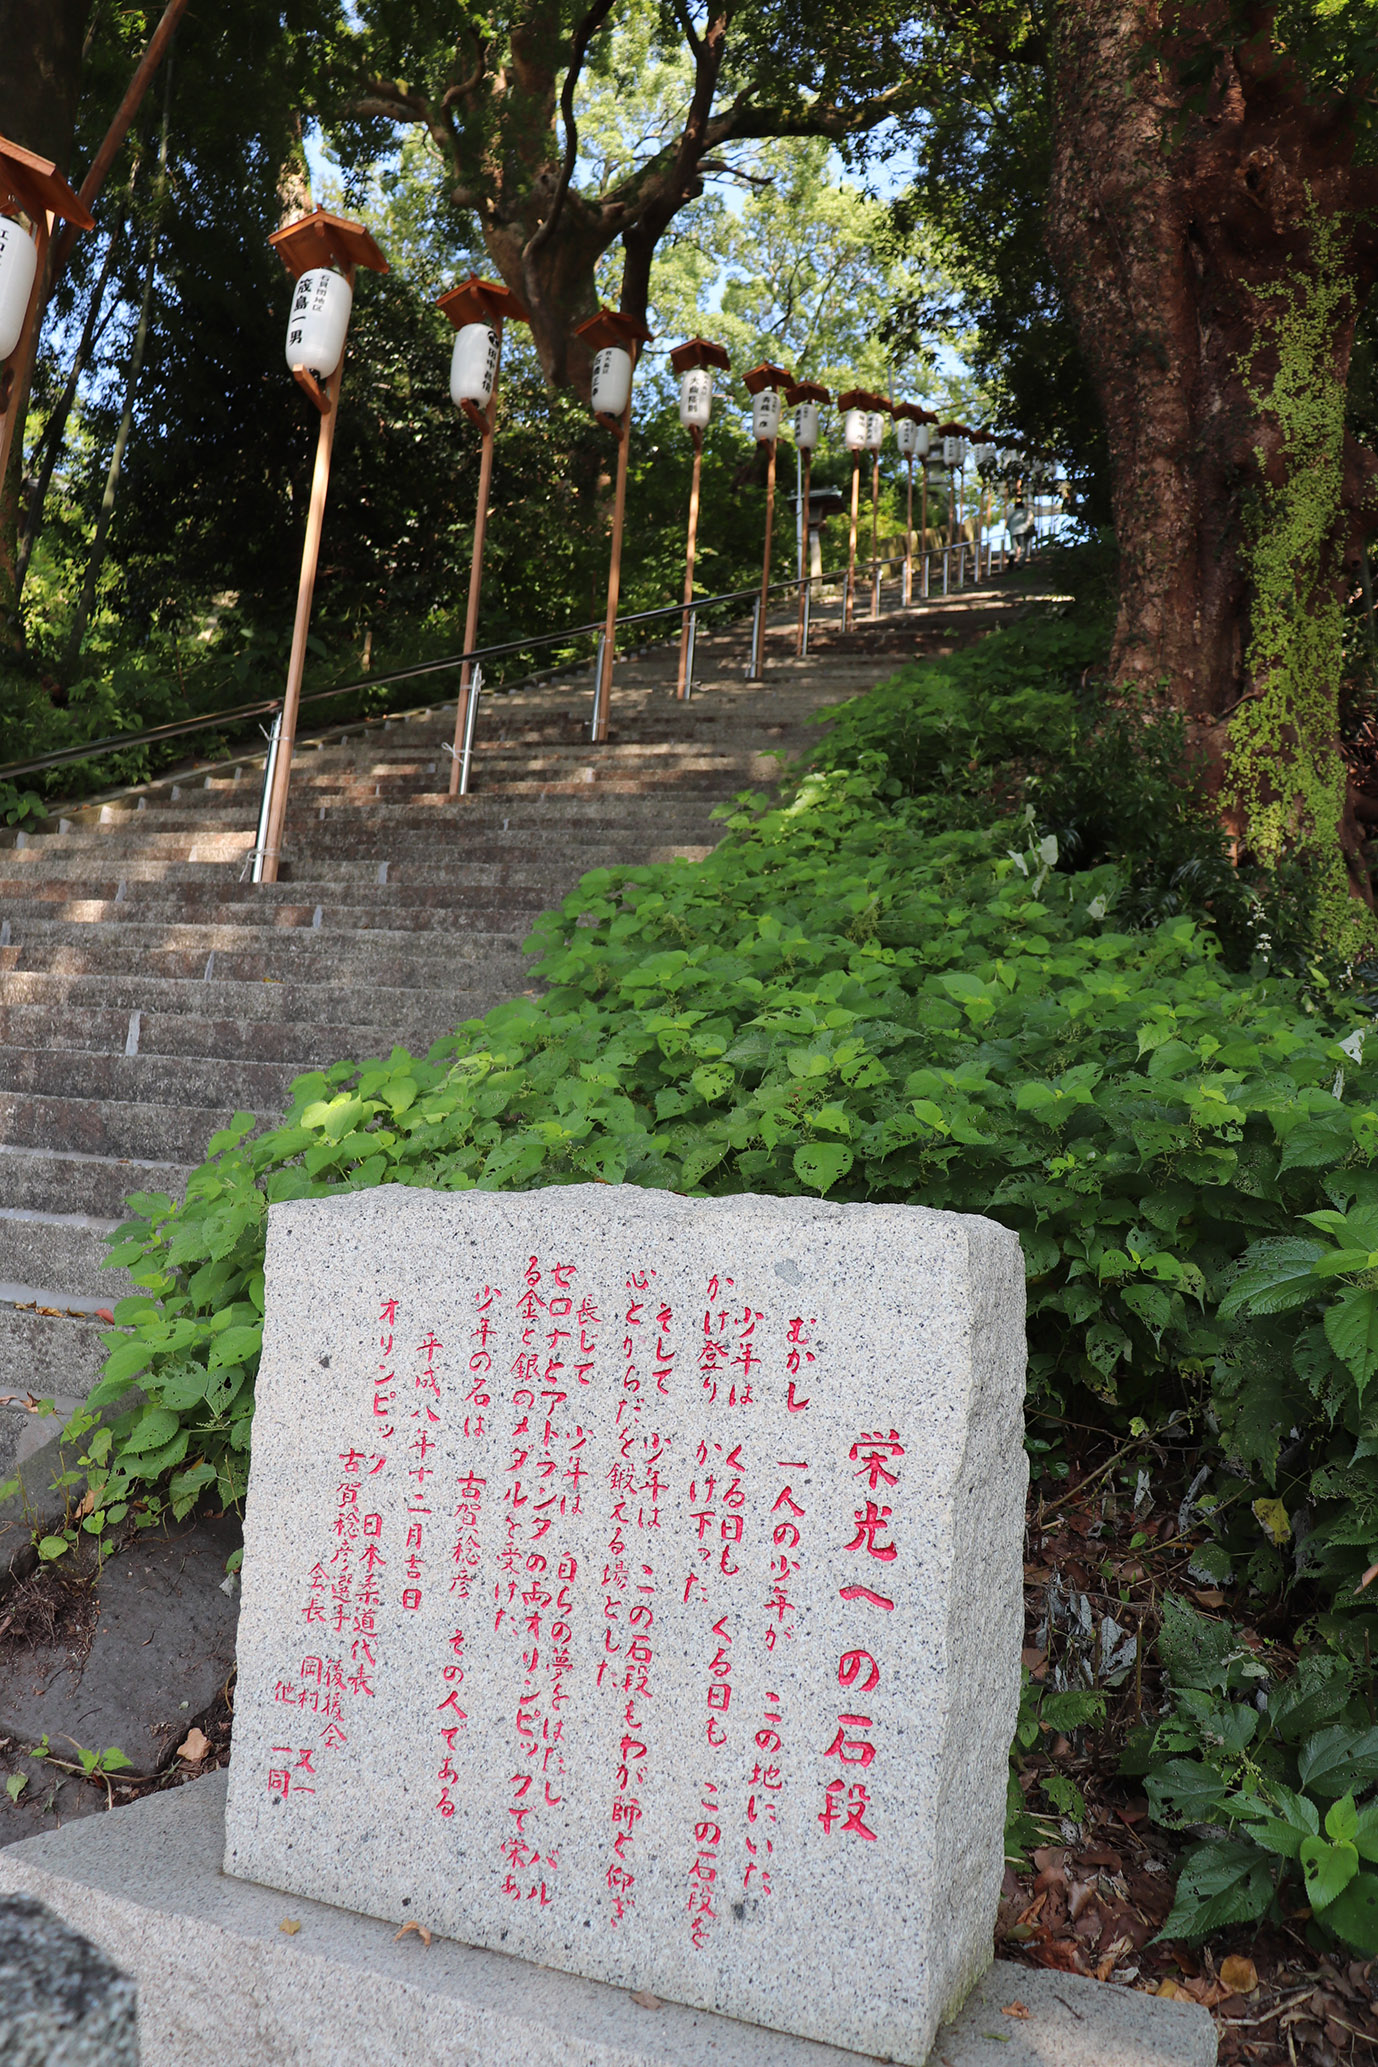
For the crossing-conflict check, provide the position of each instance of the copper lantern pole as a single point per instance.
(485, 304)
(764, 384)
(694, 362)
(316, 241)
(805, 398)
(610, 331)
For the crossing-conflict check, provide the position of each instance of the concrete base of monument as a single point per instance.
(229, 1971)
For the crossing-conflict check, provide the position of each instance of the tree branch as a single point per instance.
(583, 36)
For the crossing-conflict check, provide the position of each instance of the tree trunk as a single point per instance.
(40, 74)
(96, 558)
(1215, 258)
(55, 429)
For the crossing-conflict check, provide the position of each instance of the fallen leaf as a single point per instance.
(1172, 1991)
(103, 1313)
(1369, 1576)
(290, 1925)
(1210, 1596)
(412, 1925)
(87, 1506)
(645, 2000)
(1239, 1974)
(1016, 2009)
(1273, 1519)
(194, 1746)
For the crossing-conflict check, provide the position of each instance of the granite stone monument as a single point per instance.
(633, 1584)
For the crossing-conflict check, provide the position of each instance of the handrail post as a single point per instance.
(690, 634)
(804, 628)
(470, 726)
(269, 767)
(597, 687)
(754, 669)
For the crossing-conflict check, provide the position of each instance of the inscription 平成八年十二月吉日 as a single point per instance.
(599, 1585)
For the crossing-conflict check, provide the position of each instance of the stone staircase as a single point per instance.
(148, 990)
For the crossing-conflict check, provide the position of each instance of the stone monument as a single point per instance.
(632, 1584)
(62, 2002)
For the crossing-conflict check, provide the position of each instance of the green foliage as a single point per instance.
(20, 807)
(847, 1000)
(1273, 1769)
(1044, 1711)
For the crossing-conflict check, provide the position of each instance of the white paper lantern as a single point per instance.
(907, 436)
(765, 416)
(18, 264)
(952, 453)
(612, 380)
(316, 328)
(696, 398)
(854, 430)
(474, 365)
(875, 430)
(923, 442)
(806, 426)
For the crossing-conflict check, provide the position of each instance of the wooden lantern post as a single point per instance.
(864, 400)
(608, 328)
(318, 239)
(910, 413)
(697, 354)
(35, 187)
(766, 379)
(804, 392)
(885, 408)
(478, 301)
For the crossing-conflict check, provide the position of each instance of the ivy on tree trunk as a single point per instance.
(1216, 233)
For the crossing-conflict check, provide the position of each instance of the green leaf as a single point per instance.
(1328, 1868)
(1353, 1915)
(1337, 1759)
(821, 1164)
(50, 1548)
(1220, 1883)
(1351, 1328)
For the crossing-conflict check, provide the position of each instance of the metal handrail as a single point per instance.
(211, 721)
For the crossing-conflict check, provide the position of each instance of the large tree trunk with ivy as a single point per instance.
(1216, 238)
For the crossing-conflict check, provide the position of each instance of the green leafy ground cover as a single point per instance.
(893, 986)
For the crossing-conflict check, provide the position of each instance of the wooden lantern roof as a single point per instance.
(767, 376)
(323, 239)
(806, 391)
(953, 430)
(482, 301)
(862, 398)
(914, 412)
(611, 327)
(35, 185)
(699, 351)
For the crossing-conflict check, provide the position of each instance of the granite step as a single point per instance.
(373, 1008)
(45, 1180)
